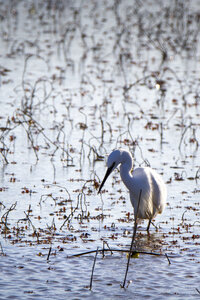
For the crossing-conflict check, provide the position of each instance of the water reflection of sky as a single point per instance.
(76, 81)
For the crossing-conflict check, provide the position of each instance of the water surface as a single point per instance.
(78, 80)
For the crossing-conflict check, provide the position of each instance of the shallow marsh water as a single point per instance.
(76, 81)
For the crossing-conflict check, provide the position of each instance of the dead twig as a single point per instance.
(182, 136)
(106, 243)
(4, 218)
(197, 174)
(49, 254)
(34, 229)
(183, 217)
(93, 269)
(2, 252)
(117, 250)
(133, 239)
(168, 258)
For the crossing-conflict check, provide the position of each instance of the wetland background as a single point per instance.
(77, 80)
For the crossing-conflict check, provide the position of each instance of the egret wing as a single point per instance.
(142, 183)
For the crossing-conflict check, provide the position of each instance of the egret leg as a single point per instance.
(148, 225)
(154, 226)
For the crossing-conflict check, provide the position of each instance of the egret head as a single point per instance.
(114, 159)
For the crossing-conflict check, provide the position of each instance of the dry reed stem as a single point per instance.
(93, 269)
(133, 239)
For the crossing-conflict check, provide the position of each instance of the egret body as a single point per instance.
(144, 184)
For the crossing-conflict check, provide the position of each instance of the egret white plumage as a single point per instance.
(145, 185)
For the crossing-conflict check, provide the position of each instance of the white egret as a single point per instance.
(145, 185)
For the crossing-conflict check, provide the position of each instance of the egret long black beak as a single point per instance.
(109, 170)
